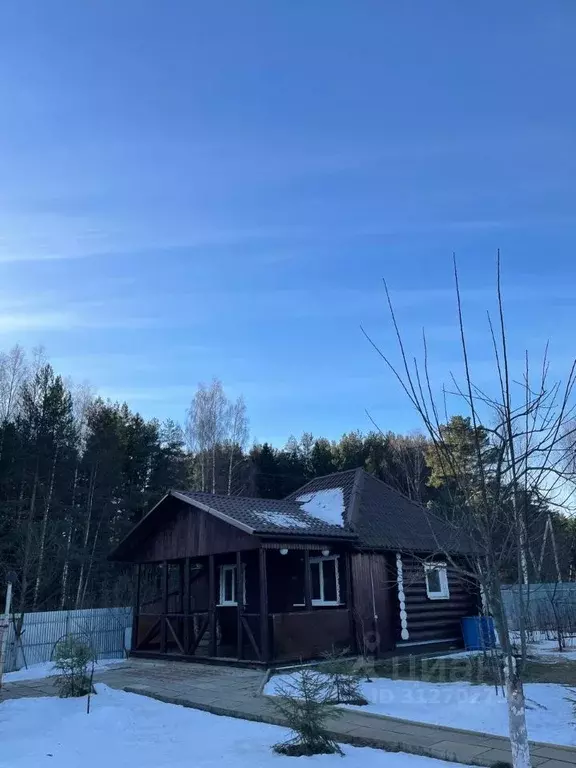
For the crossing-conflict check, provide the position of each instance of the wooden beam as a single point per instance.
(199, 636)
(251, 638)
(164, 606)
(307, 581)
(136, 608)
(350, 600)
(264, 639)
(186, 604)
(239, 607)
(174, 635)
(212, 604)
(152, 632)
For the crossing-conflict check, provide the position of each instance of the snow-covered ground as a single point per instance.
(547, 650)
(124, 730)
(46, 669)
(544, 650)
(550, 715)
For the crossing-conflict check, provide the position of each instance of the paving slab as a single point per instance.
(462, 750)
(555, 753)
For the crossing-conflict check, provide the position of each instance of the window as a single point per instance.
(436, 581)
(228, 594)
(324, 580)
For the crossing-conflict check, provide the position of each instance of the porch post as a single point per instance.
(239, 606)
(212, 604)
(350, 600)
(164, 606)
(264, 640)
(136, 609)
(186, 603)
(307, 581)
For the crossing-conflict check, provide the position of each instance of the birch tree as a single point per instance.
(527, 422)
(237, 437)
(213, 423)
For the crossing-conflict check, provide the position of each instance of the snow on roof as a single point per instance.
(281, 519)
(328, 505)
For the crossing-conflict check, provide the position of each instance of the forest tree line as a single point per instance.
(76, 473)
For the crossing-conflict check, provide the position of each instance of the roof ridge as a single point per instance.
(234, 496)
(355, 496)
(322, 477)
(395, 490)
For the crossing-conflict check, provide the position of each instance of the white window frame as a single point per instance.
(222, 592)
(321, 561)
(444, 593)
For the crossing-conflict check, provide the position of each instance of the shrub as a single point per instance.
(72, 658)
(343, 679)
(304, 704)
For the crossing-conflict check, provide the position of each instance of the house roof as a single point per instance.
(349, 506)
(267, 516)
(384, 518)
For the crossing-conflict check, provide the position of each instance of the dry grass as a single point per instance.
(475, 669)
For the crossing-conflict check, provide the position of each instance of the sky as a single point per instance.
(192, 190)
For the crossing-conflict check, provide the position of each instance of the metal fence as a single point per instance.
(547, 606)
(107, 630)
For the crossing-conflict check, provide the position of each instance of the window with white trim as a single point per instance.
(228, 585)
(324, 580)
(436, 581)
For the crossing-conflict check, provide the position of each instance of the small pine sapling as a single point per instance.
(303, 703)
(343, 679)
(72, 658)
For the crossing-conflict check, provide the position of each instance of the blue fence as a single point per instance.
(547, 606)
(107, 630)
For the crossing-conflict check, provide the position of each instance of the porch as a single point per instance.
(275, 603)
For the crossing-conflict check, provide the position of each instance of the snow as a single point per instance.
(279, 518)
(547, 650)
(549, 715)
(46, 669)
(543, 650)
(125, 730)
(327, 505)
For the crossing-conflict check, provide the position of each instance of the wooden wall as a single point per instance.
(286, 580)
(373, 570)
(430, 620)
(185, 531)
(308, 634)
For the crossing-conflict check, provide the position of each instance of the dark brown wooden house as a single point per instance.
(346, 561)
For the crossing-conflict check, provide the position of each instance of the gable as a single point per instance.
(178, 529)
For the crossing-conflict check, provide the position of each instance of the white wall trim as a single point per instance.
(404, 634)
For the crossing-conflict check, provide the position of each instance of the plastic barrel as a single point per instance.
(478, 633)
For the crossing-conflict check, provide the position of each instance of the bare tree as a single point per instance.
(524, 460)
(212, 422)
(237, 436)
(13, 371)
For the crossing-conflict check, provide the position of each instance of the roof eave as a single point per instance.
(215, 512)
(293, 536)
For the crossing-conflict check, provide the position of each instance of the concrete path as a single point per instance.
(236, 692)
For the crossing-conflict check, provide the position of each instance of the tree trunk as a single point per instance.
(66, 567)
(91, 560)
(517, 718)
(230, 467)
(28, 542)
(513, 681)
(86, 535)
(43, 533)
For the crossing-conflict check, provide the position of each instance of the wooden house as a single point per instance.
(345, 562)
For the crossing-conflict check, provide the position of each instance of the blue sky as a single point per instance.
(190, 190)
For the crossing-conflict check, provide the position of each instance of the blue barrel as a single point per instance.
(478, 633)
